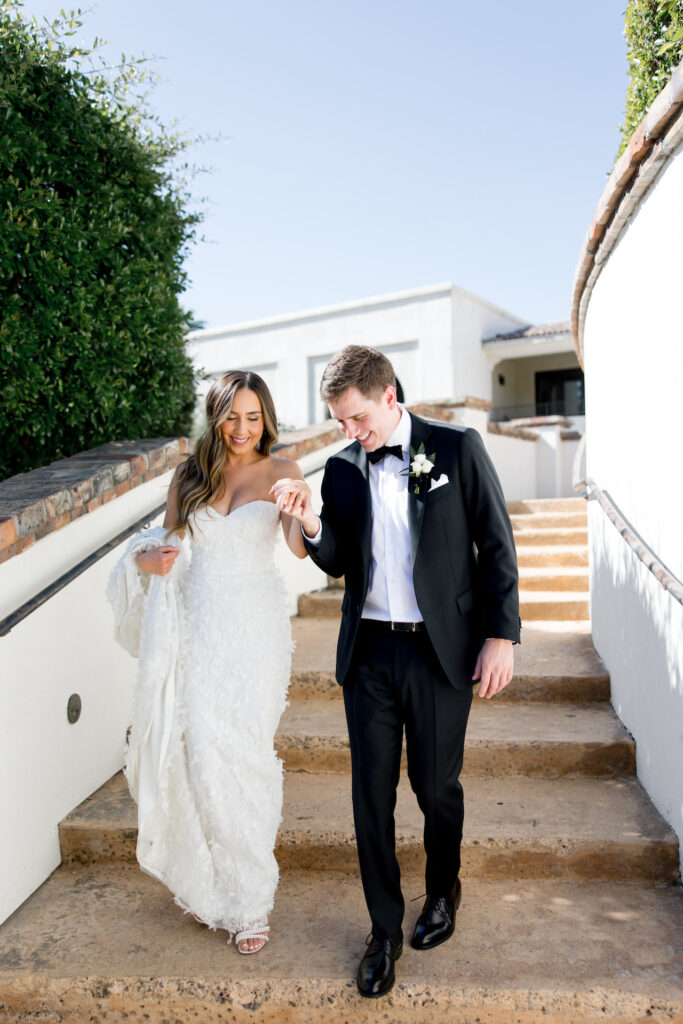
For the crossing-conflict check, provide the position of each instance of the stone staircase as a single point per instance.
(570, 911)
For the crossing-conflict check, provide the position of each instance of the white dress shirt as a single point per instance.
(391, 594)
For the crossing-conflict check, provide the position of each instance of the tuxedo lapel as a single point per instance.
(420, 434)
(357, 457)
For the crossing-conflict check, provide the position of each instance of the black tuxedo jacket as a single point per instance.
(463, 554)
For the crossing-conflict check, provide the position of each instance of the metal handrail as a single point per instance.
(590, 490)
(35, 602)
(530, 410)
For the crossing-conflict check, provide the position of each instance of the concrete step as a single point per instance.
(542, 506)
(548, 555)
(535, 605)
(553, 578)
(321, 603)
(554, 662)
(563, 520)
(516, 827)
(540, 740)
(539, 537)
(105, 943)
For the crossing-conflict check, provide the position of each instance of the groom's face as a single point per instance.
(370, 421)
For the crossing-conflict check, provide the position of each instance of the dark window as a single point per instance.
(560, 392)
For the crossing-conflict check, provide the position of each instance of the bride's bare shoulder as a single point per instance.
(280, 468)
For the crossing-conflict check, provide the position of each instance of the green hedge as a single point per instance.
(94, 232)
(654, 40)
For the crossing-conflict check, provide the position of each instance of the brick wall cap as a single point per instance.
(468, 402)
(463, 402)
(314, 430)
(540, 421)
(44, 500)
(507, 430)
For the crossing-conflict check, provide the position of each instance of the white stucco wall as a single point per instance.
(633, 343)
(474, 320)
(515, 462)
(47, 765)
(514, 459)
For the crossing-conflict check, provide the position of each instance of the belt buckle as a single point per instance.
(403, 627)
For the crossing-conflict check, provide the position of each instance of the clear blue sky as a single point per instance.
(381, 145)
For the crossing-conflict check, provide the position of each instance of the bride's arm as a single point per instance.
(159, 560)
(290, 525)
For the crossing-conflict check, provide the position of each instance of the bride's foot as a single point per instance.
(252, 939)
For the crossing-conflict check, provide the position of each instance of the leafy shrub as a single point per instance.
(95, 227)
(654, 39)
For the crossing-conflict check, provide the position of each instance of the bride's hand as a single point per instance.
(158, 561)
(293, 497)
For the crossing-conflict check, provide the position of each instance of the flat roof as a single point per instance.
(391, 298)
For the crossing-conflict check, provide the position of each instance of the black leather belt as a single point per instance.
(400, 627)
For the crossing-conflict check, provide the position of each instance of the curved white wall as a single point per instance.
(633, 344)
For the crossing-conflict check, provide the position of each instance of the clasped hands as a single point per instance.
(293, 497)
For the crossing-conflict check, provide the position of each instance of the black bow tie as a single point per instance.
(390, 449)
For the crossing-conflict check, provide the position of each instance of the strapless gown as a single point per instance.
(216, 805)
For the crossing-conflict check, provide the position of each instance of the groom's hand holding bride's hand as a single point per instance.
(293, 497)
(494, 667)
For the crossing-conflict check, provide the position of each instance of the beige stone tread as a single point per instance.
(541, 506)
(535, 605)
(542, 740)
(322, 603)
(515, 827)
(327, 604)
(546, 521)
(105, 943)
(545, 555)
(567, 578)
(555, 661)
(536, 536)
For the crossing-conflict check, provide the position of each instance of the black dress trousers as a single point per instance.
(396, 682)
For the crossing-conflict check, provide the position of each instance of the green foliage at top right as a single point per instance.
(654, 40)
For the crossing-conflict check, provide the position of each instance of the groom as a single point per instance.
(431, 605)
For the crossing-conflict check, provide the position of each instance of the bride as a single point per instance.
(207, 617)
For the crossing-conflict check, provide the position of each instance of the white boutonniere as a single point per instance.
(421, 466)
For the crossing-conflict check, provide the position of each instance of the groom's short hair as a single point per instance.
(357, 367)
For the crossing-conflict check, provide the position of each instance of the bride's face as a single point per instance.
(243, 428)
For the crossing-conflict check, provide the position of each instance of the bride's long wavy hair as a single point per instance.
(200, 478)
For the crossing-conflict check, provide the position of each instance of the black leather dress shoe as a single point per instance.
(436, 923)
(376, 974)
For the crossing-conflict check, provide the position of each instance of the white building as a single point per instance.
(442, 340)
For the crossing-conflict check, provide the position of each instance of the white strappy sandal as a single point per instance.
(257, 932)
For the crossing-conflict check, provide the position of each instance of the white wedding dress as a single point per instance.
(214, 642)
